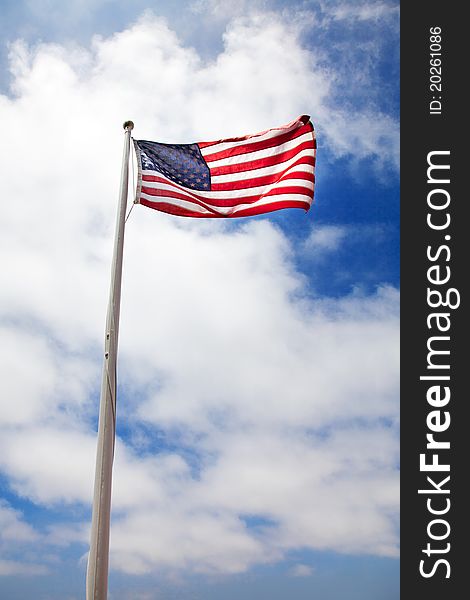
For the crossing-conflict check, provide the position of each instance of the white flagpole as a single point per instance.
(98, 558)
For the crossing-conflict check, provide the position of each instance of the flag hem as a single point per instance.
(138, 189)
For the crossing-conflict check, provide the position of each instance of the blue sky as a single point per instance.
(257, 449)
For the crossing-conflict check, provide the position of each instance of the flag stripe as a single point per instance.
(260, 181)
(295, 171)
(303, 161)
(189, 209)
(258, 154)
(254, 146)
(267, 161)
(264, 135)
(245, 184)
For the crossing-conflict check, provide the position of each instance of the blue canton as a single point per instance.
(182, 163)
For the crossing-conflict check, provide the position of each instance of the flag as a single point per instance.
(235, 177)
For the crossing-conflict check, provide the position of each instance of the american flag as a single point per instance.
(235, 177)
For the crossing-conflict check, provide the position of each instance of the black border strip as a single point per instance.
(423, 132)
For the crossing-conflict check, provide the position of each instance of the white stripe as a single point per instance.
(177, 202)
(256, 191)
(226, 210)
(272, 133)
(259, 154)
(267, 170)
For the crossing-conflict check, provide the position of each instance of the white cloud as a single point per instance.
(325, 238)
(221, 9)
(14, 567)
(250, 399)
(49, 463)
(301, 570)
(55, 379)
(16, 535)
(361, 11)
(12, 527)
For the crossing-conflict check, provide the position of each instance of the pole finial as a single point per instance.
(128, 125)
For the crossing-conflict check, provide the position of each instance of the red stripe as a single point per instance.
(155, 178)
(259, 181)
(258, 210)
(243, 183)
(254, 181)
(173, 209)
(269, 161)
(262, 145)
(304, 119)
(254, 210)
(294, 189)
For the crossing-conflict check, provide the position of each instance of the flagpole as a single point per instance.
(98, 558)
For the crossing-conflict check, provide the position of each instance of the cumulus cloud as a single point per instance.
(12, 526)
(243, 399)
(15, 536)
